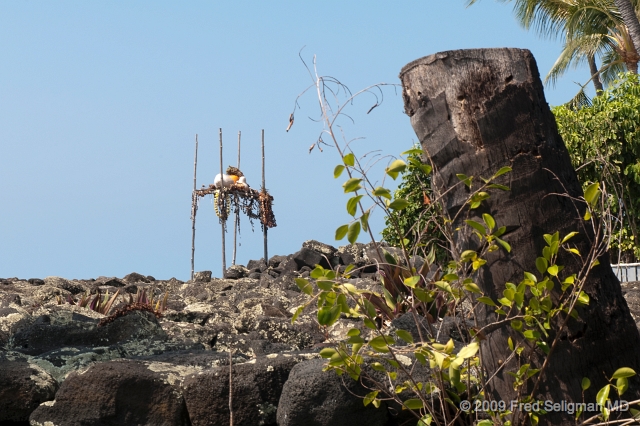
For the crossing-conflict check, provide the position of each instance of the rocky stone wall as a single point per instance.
(59, 366)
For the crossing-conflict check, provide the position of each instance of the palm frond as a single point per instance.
(580, 100)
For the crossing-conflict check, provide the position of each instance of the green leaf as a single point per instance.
(352, 204)
(426, 168)
(388, 298)
(395, 168)
(317, 272)
(586, 383)
(352, 185)
(477, 226)
(444, 286)
(388, 257)
(531, 335)
(327, 352)
(622, 384)
(297, 314)
(623, 372)
(353, 332)
(412, 281)
(603, 395)
(382, 192)
(583, 298)
(476, 199)
(399, 204)
(328, 315)
(425, 420)
(469, 350)
(487, 301)
(542, 265)
(405, 335)
(325, 285)
(473, 288)
(364, 220)
(353, 232)
(369, 324)
(505, 245)
(503, 170)
(378, 367)
(349, 159)
(591, 193)
(489, 220)
(497, 186)
(368, 399)
(468, 255)
(338, 171)
(553, 270)
(412, 151)
(568, 237)
(341, 232)
(413, 404)
(464, 178)
(380, 344)
(304, 286)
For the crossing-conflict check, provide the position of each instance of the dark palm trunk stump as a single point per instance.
(474, 112)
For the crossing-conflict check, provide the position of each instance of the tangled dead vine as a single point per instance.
(255, 204)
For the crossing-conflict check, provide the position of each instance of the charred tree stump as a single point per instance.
(475, 111)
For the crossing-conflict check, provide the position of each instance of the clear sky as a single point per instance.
(100, 102)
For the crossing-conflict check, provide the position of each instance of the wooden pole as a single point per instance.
(237, 219)
(222, 222)
(194, 208)
(264, 189)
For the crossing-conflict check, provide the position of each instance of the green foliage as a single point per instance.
(417, 224)
(604, 143)
(538, 309)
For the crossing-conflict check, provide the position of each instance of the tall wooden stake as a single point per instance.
(194, 208)
(235, 225)
(223, 222)
(264, 189)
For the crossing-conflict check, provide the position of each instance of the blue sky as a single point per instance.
(100, 102)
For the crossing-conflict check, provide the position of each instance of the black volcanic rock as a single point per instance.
(23, 387)
(119, 393)
(315, 397)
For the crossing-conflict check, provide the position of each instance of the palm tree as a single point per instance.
(590, 28)
(630, 19)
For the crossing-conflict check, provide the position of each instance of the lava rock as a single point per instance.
(315, 397)
(118, 393)
(134, 277)
(23, 387)
(202, 276)
(235, 272)
(256, 389)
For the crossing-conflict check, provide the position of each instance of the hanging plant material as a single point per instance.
(239, 197)
(222, 204)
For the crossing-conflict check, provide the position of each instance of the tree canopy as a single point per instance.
(603, 140)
